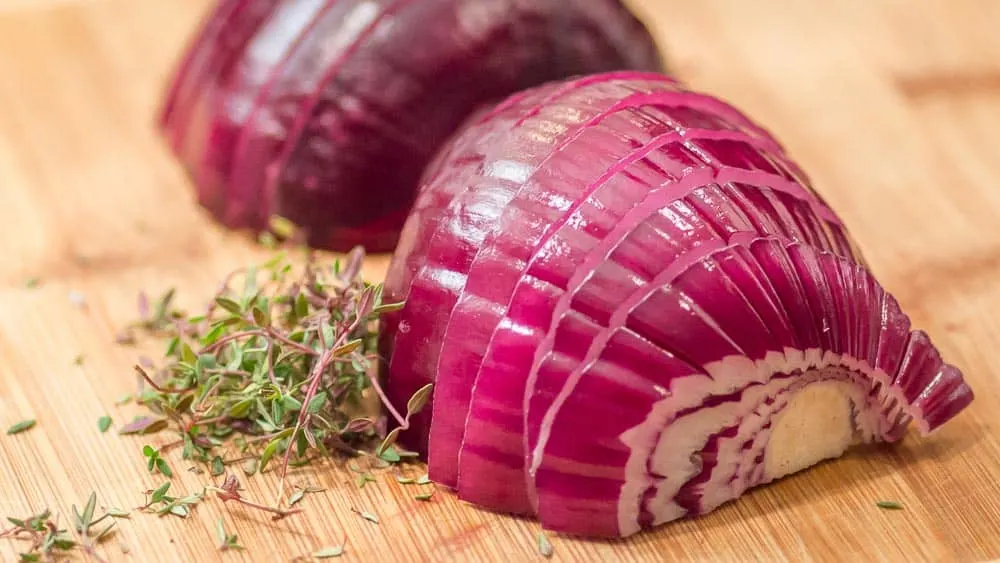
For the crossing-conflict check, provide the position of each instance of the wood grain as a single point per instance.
(892, 106)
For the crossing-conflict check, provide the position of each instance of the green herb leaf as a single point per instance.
(144, 425)
(160, 492)
(250, 467)
(390, 439)
(218, 466)
(104, 423)
(390, 455)
(19, 427)
(365, 478)
(162, 467)
(317, 403)
(229, 305)
(419, 400)
(424, 496)
(282, 227)
(889, 505)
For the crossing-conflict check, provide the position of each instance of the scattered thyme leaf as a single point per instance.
(424, 480)
(144, 425)
(544, 545)
(889, 505)
(32, 283)
(227, 541)
(160, 492)
(366, 515)
(424, 496)
(78, 360)
(329, 552)
(391, 455)
(155, 461)
(104, 423)
(22, 426)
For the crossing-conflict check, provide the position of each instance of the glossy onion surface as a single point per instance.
(326, 112)
(634, 306)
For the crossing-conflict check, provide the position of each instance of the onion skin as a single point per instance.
(622, 289)
(331, 120)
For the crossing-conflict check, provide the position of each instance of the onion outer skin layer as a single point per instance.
(327, 112)
(622, 289)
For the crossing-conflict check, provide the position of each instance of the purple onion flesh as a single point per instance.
(633, 306)
(327, 112)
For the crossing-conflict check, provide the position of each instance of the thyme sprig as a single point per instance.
(48, 541)
(282, 364)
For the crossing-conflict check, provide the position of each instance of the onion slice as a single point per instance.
(354, 98)
(633, 303)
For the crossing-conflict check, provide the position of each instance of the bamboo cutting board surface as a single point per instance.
(893, 107)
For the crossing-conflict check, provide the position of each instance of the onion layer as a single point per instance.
(327, 111)
(633, 306)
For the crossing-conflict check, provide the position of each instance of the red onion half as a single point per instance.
(634, 307)
(326, 112)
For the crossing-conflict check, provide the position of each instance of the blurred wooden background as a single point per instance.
(892, 106)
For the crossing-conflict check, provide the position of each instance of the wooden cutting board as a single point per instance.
(892, 106)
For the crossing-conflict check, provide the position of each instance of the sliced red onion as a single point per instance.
(213, 61)
(631, 302)
(440, 237)
(328, 111)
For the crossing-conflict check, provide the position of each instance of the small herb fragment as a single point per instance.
(161, 503)
(218, 467)
(49, 542)
(230, 491)
(104, 423)
(154, 461)
(889, 505)
(250, 467)
(144, 425)
(329, 552)
(227, 541)
(425, 496)
(78, 360)
(544, 545)
(32, 283)
(19, 427)
(366, 515)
